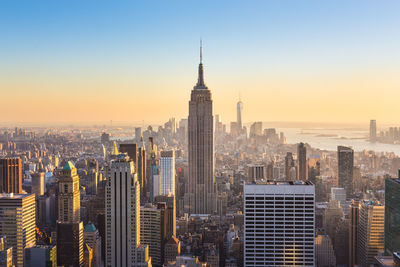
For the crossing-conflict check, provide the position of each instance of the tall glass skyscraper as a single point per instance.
(345, 168)
(392, 215)
(167, 172)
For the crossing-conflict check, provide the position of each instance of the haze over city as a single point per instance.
(91, 62)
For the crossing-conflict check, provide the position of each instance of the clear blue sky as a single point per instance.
(153, 45)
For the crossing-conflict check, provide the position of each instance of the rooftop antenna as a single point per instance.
(201, 51)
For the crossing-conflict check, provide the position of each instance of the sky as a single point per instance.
(133, 61)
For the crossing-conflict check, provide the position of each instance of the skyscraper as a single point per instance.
(202, 187)
(38, 184)
(41, 255)
(314, 168)
(93, 239)
(122, 213)
(279, 224)
(302, 159)
(255, 172)
(324, 253)
(167, 172)
(345, 169)
(153, 230)
(171, 208)
(256, 129)
(69, 224)
(372, 131)
(392, 215)
(138, 133)
(289, 164)
(10, 175)
(353, 233)
(154, 183)
(131, 150)
(17, 213)
(370, 232)
(239, 107)
(141, 166)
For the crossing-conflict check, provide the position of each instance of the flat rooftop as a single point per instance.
(13, 196)
(270, 182)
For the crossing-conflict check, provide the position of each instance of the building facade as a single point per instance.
(372, 131)
(11, 175)
(38, 184)
(255, 172)
(18, 222)
(170, 200)
(279, 224)
(153, 230)
(302, 159)
(353, 232)
(370, 232)
(345, 169)
(167, 172)
(122, 213)
(69, 224)
(392, 215)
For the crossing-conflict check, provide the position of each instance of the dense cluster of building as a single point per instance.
(193, 193)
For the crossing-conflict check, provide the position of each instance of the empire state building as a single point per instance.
(202, 187)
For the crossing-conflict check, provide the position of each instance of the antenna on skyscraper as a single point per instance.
(201, 51)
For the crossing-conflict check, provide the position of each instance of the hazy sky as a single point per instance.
(91, 60)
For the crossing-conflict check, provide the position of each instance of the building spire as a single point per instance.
(200, 81)
(201, 51)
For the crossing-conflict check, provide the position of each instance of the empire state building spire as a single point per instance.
(200, 81)
(201, 197)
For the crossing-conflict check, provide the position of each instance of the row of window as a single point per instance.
(278, 198)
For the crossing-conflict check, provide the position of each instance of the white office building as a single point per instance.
(279, 224)
(122, 213)
(167, 173)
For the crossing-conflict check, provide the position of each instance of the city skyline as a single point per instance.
(270, 53)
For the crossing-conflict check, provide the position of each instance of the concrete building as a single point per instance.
(279, 224)
(255, 172)
(324, 253)
(18, 222)
(122, 213)
(153, 230)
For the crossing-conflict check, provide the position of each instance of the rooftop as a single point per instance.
(269, 182)
(90, 228)
(69, 166)
(13, 196)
